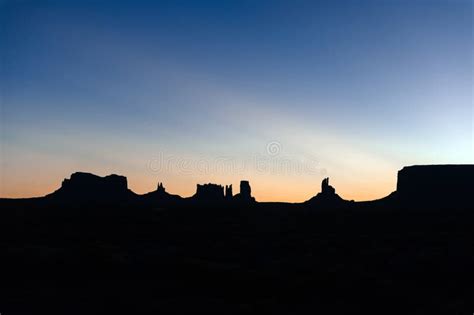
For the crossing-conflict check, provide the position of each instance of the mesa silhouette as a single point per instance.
(95, 247)
(430, 186)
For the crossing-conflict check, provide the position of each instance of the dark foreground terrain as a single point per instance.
(259, 258)
(95, 247)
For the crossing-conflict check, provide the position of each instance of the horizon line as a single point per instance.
(223, 185)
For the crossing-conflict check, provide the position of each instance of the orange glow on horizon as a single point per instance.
(264, 190)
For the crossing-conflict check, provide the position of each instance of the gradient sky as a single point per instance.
(282, 93)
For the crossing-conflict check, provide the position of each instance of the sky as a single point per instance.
(280, 93)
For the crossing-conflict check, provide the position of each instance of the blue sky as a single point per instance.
(356, 89)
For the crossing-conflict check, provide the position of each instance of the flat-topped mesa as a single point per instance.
(86, 186)
(210, 192)
(436, 186)
(85, 181)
